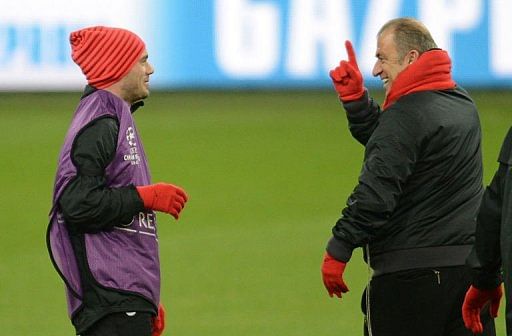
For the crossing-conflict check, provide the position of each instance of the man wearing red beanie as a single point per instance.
(102, 235)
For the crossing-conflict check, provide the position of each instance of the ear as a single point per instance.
(413, 55)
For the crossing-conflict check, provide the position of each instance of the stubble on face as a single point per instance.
(135, 85)
(390, 64)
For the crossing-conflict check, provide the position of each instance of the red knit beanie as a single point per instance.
(105, 54)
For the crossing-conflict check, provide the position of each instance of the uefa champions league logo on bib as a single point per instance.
(133, 156)
(130, 136)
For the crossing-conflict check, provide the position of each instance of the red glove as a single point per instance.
(474, 302)
(163, 197)
(346, 77)
(332, 274)
(159, 322)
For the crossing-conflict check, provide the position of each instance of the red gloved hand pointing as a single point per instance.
(474, 302)
(332, 274)
(159, 322)
(163, 197)
(346, 77)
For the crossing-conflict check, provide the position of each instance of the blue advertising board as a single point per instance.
(294, 43)
(250, 43)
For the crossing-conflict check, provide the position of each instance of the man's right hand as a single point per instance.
(332, 275)
(163, 197)
(346, 77)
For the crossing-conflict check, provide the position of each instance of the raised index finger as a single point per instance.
(351, 54)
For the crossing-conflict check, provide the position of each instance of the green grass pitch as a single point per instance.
(267, 174)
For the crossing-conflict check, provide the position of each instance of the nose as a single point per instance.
(377, 69)
(150, 69)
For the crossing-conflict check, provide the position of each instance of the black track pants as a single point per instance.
(122, 324)
(425, 302)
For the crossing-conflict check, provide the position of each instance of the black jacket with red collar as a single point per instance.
(418, 192)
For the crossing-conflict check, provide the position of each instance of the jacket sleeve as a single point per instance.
(87, 204)
(362, 116)
(485, 258)
(390, 156)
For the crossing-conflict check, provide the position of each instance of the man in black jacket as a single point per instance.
(491, 257)
(413, 210)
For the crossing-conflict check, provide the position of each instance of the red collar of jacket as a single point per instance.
(432, 71)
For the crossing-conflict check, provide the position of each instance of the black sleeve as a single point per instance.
(485, 258)
(362, 115)
(390, 157)
(87, 204)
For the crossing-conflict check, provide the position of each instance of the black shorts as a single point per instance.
(122, 324)
(423, 302)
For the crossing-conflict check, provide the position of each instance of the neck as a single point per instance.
(116, 90)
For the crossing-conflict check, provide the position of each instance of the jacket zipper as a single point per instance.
(438, 275)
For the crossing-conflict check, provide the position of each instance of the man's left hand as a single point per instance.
(474, 302)
(159, 322)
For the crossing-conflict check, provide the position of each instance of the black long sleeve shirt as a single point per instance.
(87, 204)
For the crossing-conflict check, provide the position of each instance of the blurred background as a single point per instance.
(243, 116)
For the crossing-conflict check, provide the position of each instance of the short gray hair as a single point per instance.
(409, 34)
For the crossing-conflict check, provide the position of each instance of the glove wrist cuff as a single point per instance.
(147, 195)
